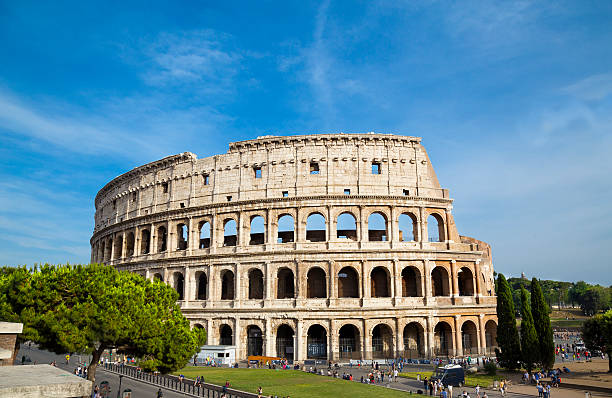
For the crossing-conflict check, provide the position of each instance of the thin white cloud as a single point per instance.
(592, 88)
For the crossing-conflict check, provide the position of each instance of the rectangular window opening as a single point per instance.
(182, 205)
(347, 191)
(314, 168)
(406, 192)
(165, 187)
(205, 177)
(114, 204)
(229, 198)
(257, 172)
(134, 196)
(285, 194)
(376, 168)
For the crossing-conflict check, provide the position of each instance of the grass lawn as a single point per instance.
(295, 383)
(470, 380)
(567, 323)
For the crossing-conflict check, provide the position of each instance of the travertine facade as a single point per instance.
(315, 246)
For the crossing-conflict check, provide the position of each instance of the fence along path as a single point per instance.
(173, 383)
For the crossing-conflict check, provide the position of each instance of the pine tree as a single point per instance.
(509, 351)
(529, 336)
(541, 321)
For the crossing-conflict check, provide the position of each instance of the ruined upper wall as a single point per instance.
(273, 167)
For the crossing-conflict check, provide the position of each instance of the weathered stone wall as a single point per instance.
(415, 268)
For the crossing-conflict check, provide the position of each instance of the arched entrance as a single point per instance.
(316, 285)
(491, 336)
(225, 335)
(179, 285)
(256, 285)
(316, 342)
(284, 342)
(285, 287)
(348, 282)
(202, 286)
(411, 282)
(469, 338)
(443, 339)
(414, 340)
(350, 346)
(382, 342)
(380, 282)
(439, 282)
(465, 282)
(254, 341)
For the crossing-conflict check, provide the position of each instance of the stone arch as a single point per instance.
(254, 340)
(316, 283)
(158, 277)
(162, 239)
(130, 244)
(382, 341)
(408, 227)
(349, 338)
(101, 250)
(202, 286)
(286, 229)
(284, 341)
(414, 340)
(285, 287)
(227, 285)
(316, 342)
(469, 337)
(205, 238)
(379, 279)
(346, 226)
(377, 227)
(197, 326)
(258, 230)
(182, 236)
(109, 248)
(230, 232)
(465, 280)
(226, 336)
(439, 282)
(443, 339)
(316, 226)
(145, 241)
(411, 282)
(118, 247)
(256, 284)
(491, 336)
(348, 282)
(178, 283)
(435, 228)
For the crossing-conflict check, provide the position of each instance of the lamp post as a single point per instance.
(119, 390)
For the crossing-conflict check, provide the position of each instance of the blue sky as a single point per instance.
(513, 101)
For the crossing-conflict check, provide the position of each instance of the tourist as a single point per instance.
(477, 390)
(160, 393)
(540, 390)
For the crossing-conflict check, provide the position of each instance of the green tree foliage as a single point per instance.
(90, 308)
(595, 299)
(541, 322)
(509, 351)
(529, 336)
(597, 335)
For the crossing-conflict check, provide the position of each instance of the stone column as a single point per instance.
(363, 286)
(166, 275)
(331, 277)
(426, 280)
(397, 281)
(399, 339)
(147, 274)
(333, 341)
(366, 348)
(447, 225)
(271, 227)
(429, 337)
(191, 234)
(211, 294)
(299, 353)
(123, 245)
(238, 285)
(482, 338)
(153, 242)
(454, 280)
(363, 226)
(268, 296)
(268, 348)
(300, 291)
(458, 340)
(238, 340)
(423, 231)
(477, 287)
(391, 223)
(187, 286)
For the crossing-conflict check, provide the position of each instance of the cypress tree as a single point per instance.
(541, 322)
(529, 336)
(509, 351)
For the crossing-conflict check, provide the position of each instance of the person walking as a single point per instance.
(477, 390)
(160, 393)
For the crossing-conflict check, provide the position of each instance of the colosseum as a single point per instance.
(325, 246)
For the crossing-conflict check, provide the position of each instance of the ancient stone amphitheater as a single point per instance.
(326, 246)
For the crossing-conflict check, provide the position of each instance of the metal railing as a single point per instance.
(174, 383)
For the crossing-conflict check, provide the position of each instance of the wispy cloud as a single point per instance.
(592, 88)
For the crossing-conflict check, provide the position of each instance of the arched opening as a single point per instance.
(204, 235)
(285, 284)
(414, 338)
(315, 228)
(254, 341)
(411, 282)
(316, 286)
(443, 339)
(349, 342)
(284, 342)
(182, 236)
(465, 282)
(382, 341)
(162, 239)
(286, 229)
(225, 335)
(346, 226)
(408, 227)
(145, 241)
(227, 285)
(118, 247)
(258, 231)
(469, 338)
(348, 282)
(101, 251)
(435, 228)
(202, 286)
(377, 227)
(109, 247)
(179, 284)
(379, 280)
(129, 244)
(198, 326)
(439, 282)
(230, 232)
(256, 285)
(157, 277)
(316, 341)
(491, 336)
